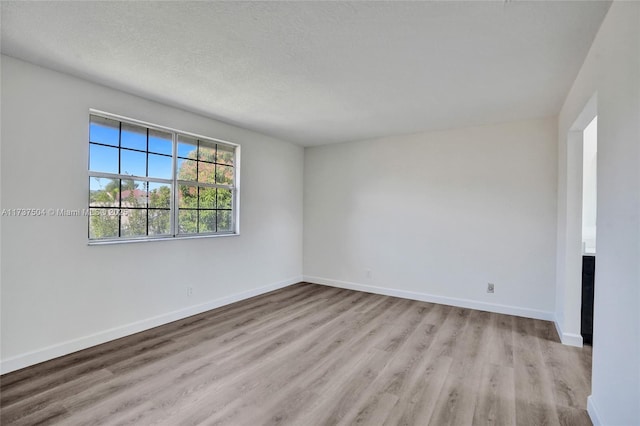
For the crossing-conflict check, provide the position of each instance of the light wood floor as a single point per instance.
(314, 355)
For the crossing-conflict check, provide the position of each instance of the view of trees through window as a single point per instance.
(133, 192)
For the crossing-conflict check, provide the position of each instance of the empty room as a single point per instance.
(320, 213)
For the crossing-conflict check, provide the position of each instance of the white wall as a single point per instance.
(589, 186)
(612, 70)
(436, 216)
(58, 293)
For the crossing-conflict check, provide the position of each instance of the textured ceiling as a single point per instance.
(319, 72)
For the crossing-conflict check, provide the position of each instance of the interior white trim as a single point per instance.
(589, 112)
(593, 412)
(425, 297)
(70, 346)
(570, 339)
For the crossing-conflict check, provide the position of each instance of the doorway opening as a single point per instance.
(574, 241)
(589, 214)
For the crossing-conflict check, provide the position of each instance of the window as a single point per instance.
(150, 182)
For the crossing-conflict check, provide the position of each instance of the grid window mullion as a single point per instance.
(120, 181)
(147, 184)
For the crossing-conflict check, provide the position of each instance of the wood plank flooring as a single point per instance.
(314, 355)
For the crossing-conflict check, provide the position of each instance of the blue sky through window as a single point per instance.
(160, 142)
(134, 137)
(104, 131)
(186, 150)
(105, 158)
(133, 163)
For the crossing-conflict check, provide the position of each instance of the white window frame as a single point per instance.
(174, 182)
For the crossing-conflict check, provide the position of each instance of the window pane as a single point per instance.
(187, 147)
(133, 163)
(130, 206)
(206, 172)
(207, 152)
(134, 193)
(224, 198)
(103, 192)
(160, 166)
(224, 221)
(225, 155)
(188, 196)
(103, 223)
(207, 220)
(188, 221)
(159, 195)
(187, 170)
(133, 137)
(160, 142)
(103, 159)
(133, 222)
(104, 130)
(207, 198)
(159, 222)
(224, 175)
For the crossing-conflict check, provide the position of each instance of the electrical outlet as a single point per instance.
(490, 288)
(189, 291)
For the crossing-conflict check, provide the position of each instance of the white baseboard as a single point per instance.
(70, 346)
(569, 339)
(593, 412)
(442, 300)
